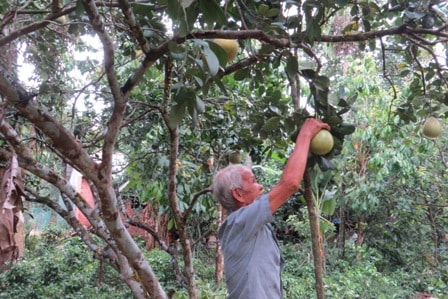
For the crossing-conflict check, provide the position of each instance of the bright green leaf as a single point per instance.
(329, 206)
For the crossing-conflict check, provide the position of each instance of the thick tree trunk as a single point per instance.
(12, 241)
(180, 219)
(133, 266)
(316, 237)
(12, 222)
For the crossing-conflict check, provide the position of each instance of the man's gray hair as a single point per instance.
(224, 181)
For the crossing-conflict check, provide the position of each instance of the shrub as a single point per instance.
(60, 268)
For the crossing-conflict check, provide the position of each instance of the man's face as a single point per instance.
(251, 189)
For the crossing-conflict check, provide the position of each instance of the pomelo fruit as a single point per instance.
(235, 157)
(432, 127)
(230, 46)
(322, 143)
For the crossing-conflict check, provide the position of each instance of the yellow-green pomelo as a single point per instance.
(63, 19)
(235, 157)
(322, 143)
(230, 46)
(432, 127)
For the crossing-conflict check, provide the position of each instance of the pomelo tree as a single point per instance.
(145, 81)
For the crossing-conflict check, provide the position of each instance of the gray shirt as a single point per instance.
(252, 259)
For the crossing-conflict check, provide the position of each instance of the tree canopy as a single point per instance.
(139, 97)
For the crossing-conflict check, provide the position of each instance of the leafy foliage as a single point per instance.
(56, 267)
(60, 266)
(143, 81)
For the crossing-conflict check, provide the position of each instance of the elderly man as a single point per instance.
(252, 258)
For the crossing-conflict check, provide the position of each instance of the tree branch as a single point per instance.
(100, 253)
(151, 231)
(135, 28)
(195, 199)
(119, 107)
(26, 161)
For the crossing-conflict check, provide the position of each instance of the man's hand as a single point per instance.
(312, 126)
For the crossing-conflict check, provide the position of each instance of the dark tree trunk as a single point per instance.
(316, 237)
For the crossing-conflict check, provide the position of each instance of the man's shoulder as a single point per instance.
(259, 206)
(249, 217)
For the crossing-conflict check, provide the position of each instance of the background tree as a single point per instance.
(146, 80)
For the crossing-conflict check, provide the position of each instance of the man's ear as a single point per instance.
(236, 193)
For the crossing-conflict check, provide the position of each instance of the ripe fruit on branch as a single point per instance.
(230, 46)
(322, 143)
(63, 19)
(235, 157)
(432, 127)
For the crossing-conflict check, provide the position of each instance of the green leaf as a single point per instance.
(186, 3)
(313, 32)
(171, 224)
(355, 10)
(266, 49)
(347, 129)
(186, 20)
(177, 52)
(173, 9)
(175, 47)
(192, 111)
(314, 13)
(212, 61)
(341, 3)
(292, 66)
(212, 12)
(372, 45)
(191, 104)
(328, 206)
(79, 9)
(333, 120)
(200, 106)
(308, 73)
(183, 28)
(219, 52)
(242, 74)
(324, 163)
(273, 12)
(183, 97)
(272, 124)
(144, 9)
(322, 83)
(362, 46)
(184, 94)
(177, 113)
(263, 9)
(414, 15)
(367, 25)
(306, 65)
